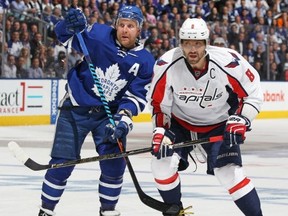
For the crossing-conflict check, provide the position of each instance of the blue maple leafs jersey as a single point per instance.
(125, 75)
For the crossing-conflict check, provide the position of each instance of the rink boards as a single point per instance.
(35, 101)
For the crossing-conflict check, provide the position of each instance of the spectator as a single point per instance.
(55, 4)
(103, 8)
(172, 38)
(25, 40)
(87, 12)
(9, 69)
(229, 28)
(214, 15)
(57, 48)
(30, 9)
(107, 19)
(42, 56)
(275, 73)
(36, 43)
(153, 36)
(145, 31)
(93, 6)
(35, 71)
(73, 57)
(50, 61)
(160, 8)
(241, 43)
(259, 54)
(232, 12)
(16, 26)
(15, 45)
(56, 15)
(220, 42)
(259, 41)
(232, 34)
(64, 6)
(8, 28)
(259, 67)
(23, 27)
(25, 54)
(165, 46)
(160, 27)
(38, 6)
(22, 71)
(150, 17)
(246, 15)
(60, 66)
(269, 18)
(47, 3)
(18, 7)
(4, 54)
(249, 52)
(33, 30)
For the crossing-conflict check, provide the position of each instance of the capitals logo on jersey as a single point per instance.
(110, 82)
(161, 62)
(235, 61)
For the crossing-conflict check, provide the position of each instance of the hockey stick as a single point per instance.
(18, 152)
(149, 201)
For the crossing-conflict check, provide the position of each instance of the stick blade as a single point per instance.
(21, 156)
(18, 152)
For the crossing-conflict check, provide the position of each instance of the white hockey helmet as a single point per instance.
(194, 29)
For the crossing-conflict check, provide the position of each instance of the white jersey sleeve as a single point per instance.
(160, 96)
(243, 79)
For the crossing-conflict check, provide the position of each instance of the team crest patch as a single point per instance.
(110, 82)
(161, 62)
(235, 61)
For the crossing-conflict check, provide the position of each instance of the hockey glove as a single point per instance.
(162, 142)
(235, 129)
(75, 21)
(124, 125)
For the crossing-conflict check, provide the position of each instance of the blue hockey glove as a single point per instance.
(235, 129)
(162, 142)
(75, 21)
(124, 125)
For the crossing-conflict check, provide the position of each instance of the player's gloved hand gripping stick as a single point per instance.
(236, 127)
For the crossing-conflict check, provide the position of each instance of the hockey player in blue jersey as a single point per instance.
(124, 69)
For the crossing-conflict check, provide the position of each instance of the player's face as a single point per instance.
(127, 32)
(194, 50)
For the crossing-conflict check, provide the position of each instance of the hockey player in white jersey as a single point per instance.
(201, 91)
(124, 69)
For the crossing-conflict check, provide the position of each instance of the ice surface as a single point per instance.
(265, 158)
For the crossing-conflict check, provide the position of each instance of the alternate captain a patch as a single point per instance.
(235, 61)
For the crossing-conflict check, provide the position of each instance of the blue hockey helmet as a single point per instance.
(131, 12)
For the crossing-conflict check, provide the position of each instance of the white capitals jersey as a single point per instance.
(201, 101)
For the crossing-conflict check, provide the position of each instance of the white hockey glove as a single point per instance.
(162, 142)
(124, 125)
(235, 129)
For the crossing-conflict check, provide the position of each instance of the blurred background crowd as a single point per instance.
(257, 29)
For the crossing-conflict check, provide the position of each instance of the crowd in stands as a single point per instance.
(257, 29)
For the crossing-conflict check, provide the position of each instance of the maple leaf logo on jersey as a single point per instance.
(161, 62)
(235, 61)
(110, 82)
